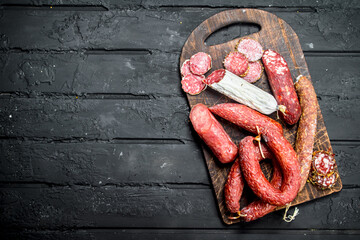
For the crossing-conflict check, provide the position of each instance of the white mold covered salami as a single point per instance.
(241, 91)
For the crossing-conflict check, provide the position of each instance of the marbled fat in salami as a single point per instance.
(236, 63)
(255, 71)
(200, 63)
(250, 48)
(185, 68)
(193, 84)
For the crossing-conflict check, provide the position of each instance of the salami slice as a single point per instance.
(185, 68)
(236, 63)
(215, 77)
(250, 48)
(193, 84)
(323, 163)
(200, 63)
(255, 71)
(324, 182)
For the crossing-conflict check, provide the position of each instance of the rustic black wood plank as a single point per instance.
(130, 72)
(102, 163)
(118, 29)
(27, 206)
(182, 234)
(68, 117)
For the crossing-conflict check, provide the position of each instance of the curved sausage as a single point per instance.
(235, 182)
(307, 126)
(213, 134)
(271, 132)
(282, 85)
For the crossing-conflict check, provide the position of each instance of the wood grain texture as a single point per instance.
(274, 34)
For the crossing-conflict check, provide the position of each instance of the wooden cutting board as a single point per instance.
(275, 34)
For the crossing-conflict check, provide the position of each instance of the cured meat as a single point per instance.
(185, 68)
(324, 182)
(236, 63)
(233, 188)
(213, 134)
(307, 126)
(323, 163)
(282, 150)
(260, 208)
(200, 63)
(282, 85)
(241, 91)
(235, 182)
(245, 117)
(255, 71)
(287, 160)
(193, 84)
(250, 48)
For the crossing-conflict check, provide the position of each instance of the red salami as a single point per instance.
(236, 63)
(185, 68)
(235, 182)
(213, 134)
(271, 132)
(260, 208)
(193, 84)
(255, 71)
(324, 182)
(250, 48)
(245, 117)
(287, 160)
(323, 163)
(215, 77)
(282, 85)
(200, 63)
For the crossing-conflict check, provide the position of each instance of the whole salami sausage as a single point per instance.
(272, 133)
(235, 182)
(307, 126)
(260, 208)
(213, 134)
(282, 85)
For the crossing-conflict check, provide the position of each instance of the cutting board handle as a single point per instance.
(222, 19)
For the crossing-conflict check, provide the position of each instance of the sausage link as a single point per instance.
(282, 85)
(287, 159)
(213, 134)
(307, 126)
(235, 182)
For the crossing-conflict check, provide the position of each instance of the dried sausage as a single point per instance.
(193, 84)
(213, 134)
(255, 72)
(282, 85)
(281, 148)
(200, 63)
(307, 126)
(236, 63)
(250, 48)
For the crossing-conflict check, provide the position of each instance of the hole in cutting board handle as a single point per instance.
(231, 32)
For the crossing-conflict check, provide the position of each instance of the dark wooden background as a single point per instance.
(95, 141)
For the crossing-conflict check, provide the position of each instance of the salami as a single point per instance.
(324, 182)
(323, 163)
(193, 84)
(235, 182)
(241, 91)
(287, 160)
(255, 71)
(250, 48)
(236, 63)
(282, 85)
(213, 134)
(185, 68)
(260, 208)
(307, 126)
(272, 133)
(200, 63)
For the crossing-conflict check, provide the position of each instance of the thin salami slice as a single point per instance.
(250, 48)
(200, 63)
(323, 163)
(185, 68)
(215, 77)
(193, 84)
(324, 182)
(255, 71)
(236, 63)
